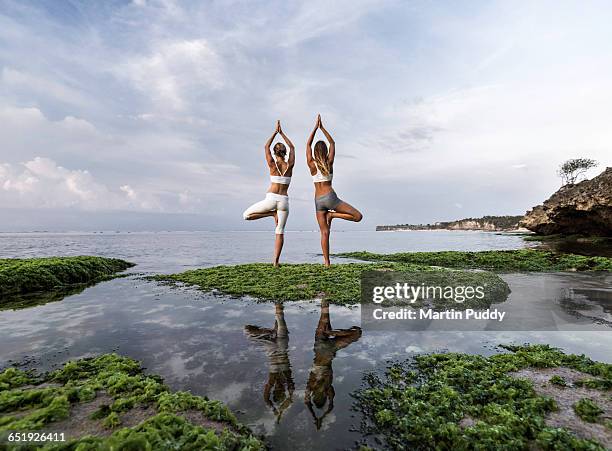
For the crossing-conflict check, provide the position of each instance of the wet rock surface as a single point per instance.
(566, 396)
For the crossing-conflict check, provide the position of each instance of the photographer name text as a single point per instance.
(431, 314)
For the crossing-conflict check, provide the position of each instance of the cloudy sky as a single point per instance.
(150, 114)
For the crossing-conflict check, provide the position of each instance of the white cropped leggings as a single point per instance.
(272, 202)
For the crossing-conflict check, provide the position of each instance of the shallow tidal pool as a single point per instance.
(280, 383)
(285, 384)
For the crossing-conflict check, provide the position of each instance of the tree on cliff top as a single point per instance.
(572, 169)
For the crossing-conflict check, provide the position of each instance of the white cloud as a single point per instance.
(42, 183)
(144, 201)
(129, 191)
(36, 86)
(320, 17)
(168, 103)
(482, 132)
(174, 71)
(153, 171)
(26, 133)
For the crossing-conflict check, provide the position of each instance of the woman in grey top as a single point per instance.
(327, 204)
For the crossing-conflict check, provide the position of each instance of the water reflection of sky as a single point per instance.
(198, 342)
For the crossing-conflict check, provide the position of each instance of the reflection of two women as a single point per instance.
(320, 392)
(279, 388)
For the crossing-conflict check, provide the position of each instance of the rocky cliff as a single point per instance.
(474, 224)
(584, 208)
(486, 223)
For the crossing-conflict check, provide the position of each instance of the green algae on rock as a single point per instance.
(29, 275)
(507, 260)
(462, 401)
(108, 402)
(339, 284)
(585, 239)
(558, 380)
(588, 410)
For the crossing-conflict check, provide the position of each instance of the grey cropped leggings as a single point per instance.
(327, 202)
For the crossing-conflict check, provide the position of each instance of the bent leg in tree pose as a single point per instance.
(276, 203)
(327, 203)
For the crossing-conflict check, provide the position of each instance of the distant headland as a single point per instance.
(487, 223)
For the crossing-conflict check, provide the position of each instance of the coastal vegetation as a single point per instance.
(339, 284)
(508, 260)
(30, 275)
(108, 402)
(488, 223)
(571, 170)
(462, 401)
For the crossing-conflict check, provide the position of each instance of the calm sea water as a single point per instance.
(294, 388)
(173, 251)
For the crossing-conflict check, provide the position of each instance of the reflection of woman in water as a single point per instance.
(276, 203)
(328, 341)
(278, 391)
(327, 204)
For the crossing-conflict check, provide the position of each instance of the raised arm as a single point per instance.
(332, 143)
(309, 159)
(269, 158)
(291, 160)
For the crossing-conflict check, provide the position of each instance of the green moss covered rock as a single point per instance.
(129, 410)
(512, 260)
(339, 284)
(588, 410)
(29, 275)
(462, 401)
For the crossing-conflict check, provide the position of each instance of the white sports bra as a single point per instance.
(280, 179)
(319, 177)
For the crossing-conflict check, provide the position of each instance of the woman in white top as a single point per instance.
(276, 203)
(327, 204)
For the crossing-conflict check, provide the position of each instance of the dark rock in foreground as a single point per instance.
(584, 208)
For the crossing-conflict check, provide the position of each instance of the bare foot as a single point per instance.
(328, 218)
(276, 264)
